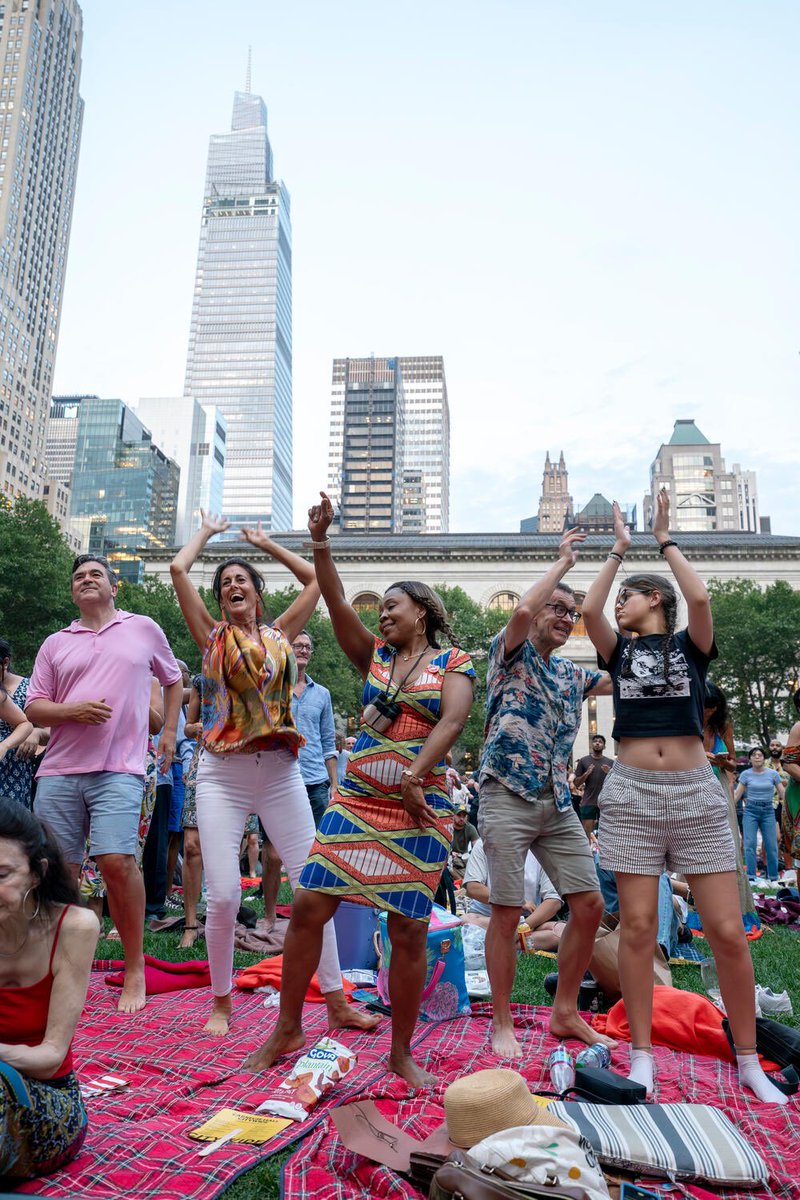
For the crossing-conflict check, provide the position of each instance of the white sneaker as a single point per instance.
(772, 1002)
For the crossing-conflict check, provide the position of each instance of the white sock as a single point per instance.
(642, 1068)
(752, 1076)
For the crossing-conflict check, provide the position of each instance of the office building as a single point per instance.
(124, 488)
(365, 469)
(240, 342)
(62, 437)
(41, 114)
(389, 450)
(556, 511)
(426, 443)
(195, 437)
(705, 496)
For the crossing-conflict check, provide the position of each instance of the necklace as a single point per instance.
(411, 653)
(5, 954)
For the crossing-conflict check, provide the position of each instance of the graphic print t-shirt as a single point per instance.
(646, 704)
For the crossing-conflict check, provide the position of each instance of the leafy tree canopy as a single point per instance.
(758, 637)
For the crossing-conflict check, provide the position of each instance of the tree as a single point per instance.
(35, 576)
(156, 599)
(758, 636)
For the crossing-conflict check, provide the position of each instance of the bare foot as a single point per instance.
(403, 1065)
(219, 1022)
(341, 1015)
(504, 1042)
(282, 1041)
(133, 998)
(572, 1025)
(189, 936)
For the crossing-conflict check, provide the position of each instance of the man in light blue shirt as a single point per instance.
(313, 715)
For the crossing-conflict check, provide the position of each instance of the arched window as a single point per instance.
(366, 602)
(503, 602)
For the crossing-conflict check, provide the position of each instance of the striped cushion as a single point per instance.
(681, 1141)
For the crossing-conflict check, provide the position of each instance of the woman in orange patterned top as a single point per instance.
(385, 837)
(250, 742)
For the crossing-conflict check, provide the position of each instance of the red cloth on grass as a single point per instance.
(162, 977)
(267, 973)
(683, 1021)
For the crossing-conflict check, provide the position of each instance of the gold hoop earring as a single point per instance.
(424, 625)
(38, 905)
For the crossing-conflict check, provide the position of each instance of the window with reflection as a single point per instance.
(367, 602)
(503, 602)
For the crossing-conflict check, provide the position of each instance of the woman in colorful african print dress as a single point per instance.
(47, 941)
(385, 837)
(248, 763)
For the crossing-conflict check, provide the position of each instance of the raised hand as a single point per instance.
(661, 518)
(570, 544)
(319, 518)
(256, 537)
(214, 523)
(622, 532)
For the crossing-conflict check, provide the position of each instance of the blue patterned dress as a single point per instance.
(16, 774)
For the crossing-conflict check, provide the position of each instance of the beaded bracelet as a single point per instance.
(320, 545)
(666, 545)
(618, 557)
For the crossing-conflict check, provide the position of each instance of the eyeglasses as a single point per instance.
(626, 593)
(562, 611)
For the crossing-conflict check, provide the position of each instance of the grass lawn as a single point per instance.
(776, 957)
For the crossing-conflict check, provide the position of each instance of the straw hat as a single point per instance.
(487, 1102)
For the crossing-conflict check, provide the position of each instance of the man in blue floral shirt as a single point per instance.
(533, 711)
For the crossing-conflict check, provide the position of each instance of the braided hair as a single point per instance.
(435, 613)
(669, 605)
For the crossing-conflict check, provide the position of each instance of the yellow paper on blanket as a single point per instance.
(253, 1128)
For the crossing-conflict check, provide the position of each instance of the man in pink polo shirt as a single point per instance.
(91, 686)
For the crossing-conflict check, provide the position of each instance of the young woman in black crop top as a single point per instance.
(661, 803)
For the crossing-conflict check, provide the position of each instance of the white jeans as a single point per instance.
(229, 788)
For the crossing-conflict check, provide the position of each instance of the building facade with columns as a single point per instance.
(495, 569)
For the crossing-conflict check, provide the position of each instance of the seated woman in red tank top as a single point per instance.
(46, 948)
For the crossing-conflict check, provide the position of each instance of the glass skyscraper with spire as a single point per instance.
(240, 342)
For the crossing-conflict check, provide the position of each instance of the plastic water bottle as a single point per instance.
(562, 1069)
(594, 1056)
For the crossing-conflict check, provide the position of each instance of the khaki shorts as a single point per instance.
(511, 826)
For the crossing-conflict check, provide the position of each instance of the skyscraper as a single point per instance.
(390, 415)
(124, 488)
(196, 439)
(41, 114)
(705, 496)
(240, 342)
(366, 477)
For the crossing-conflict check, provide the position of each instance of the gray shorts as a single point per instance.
(653, 819)
(103, 805)
(511, 826)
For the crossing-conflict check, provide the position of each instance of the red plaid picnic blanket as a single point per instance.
(324, 1169)
(138, 1144)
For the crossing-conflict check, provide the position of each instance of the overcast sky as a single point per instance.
(589, 208)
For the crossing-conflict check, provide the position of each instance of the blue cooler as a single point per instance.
(355, 926)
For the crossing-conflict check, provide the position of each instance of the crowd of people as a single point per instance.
(130, 759)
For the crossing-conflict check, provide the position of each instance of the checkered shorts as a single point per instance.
(649, 819)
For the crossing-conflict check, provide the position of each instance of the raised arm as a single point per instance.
(539, 593)
(197, 616)
(351, 633)
(598, 627)
(701, 623)
(294, 619)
